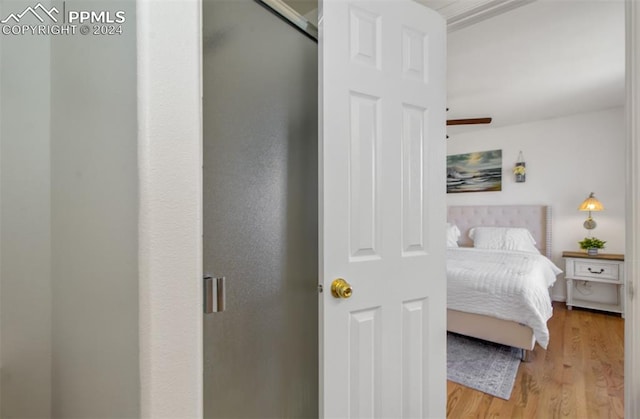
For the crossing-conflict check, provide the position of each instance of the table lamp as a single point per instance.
(590, 204)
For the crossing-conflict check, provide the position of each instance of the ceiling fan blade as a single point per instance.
(469, 121)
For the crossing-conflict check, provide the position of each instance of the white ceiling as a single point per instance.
(542, 60)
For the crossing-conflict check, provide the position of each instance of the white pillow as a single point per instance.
(453, 233)
(503, 238)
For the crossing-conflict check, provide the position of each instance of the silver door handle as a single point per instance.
(222, 300)
(214, 294)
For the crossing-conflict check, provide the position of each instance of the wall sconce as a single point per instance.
(520, 170)
(590, 204)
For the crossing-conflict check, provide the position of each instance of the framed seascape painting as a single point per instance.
(474, 172)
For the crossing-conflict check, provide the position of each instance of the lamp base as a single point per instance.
(589, 224)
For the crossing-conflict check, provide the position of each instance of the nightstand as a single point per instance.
(595, 282)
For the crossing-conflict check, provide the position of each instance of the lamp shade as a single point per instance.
(591, 204)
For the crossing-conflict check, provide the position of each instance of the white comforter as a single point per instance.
(509, 285)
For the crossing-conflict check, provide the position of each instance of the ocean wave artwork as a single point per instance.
(480, 171)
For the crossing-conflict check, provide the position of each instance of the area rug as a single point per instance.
(480, 365)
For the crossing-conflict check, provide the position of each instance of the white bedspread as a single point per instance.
(509, 285)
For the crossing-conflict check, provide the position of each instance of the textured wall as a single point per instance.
(170, 169)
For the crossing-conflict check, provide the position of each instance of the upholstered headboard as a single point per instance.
(536, 218)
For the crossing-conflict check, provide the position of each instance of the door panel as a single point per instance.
(260, 213)
(382, 163)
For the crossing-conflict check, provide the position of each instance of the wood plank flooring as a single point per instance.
(580, 375)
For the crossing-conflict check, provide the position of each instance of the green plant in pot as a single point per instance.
(591, 245)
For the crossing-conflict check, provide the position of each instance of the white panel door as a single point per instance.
(382, 209)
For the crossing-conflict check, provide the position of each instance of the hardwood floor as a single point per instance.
(580, 375)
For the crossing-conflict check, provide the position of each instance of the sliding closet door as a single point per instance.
(260, 213)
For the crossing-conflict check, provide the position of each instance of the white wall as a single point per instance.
(566, 158)
(25, 221)
(170, 216)
(94, 221)
(68, 218)
(632, 309)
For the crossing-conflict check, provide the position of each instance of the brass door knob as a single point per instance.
(341, 288)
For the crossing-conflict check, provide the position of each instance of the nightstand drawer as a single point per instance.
(592, 269)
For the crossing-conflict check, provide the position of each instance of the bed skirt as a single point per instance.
(489, 328)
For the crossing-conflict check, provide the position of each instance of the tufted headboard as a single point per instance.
(536, 218)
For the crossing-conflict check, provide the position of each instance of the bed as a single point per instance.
(537, 220)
